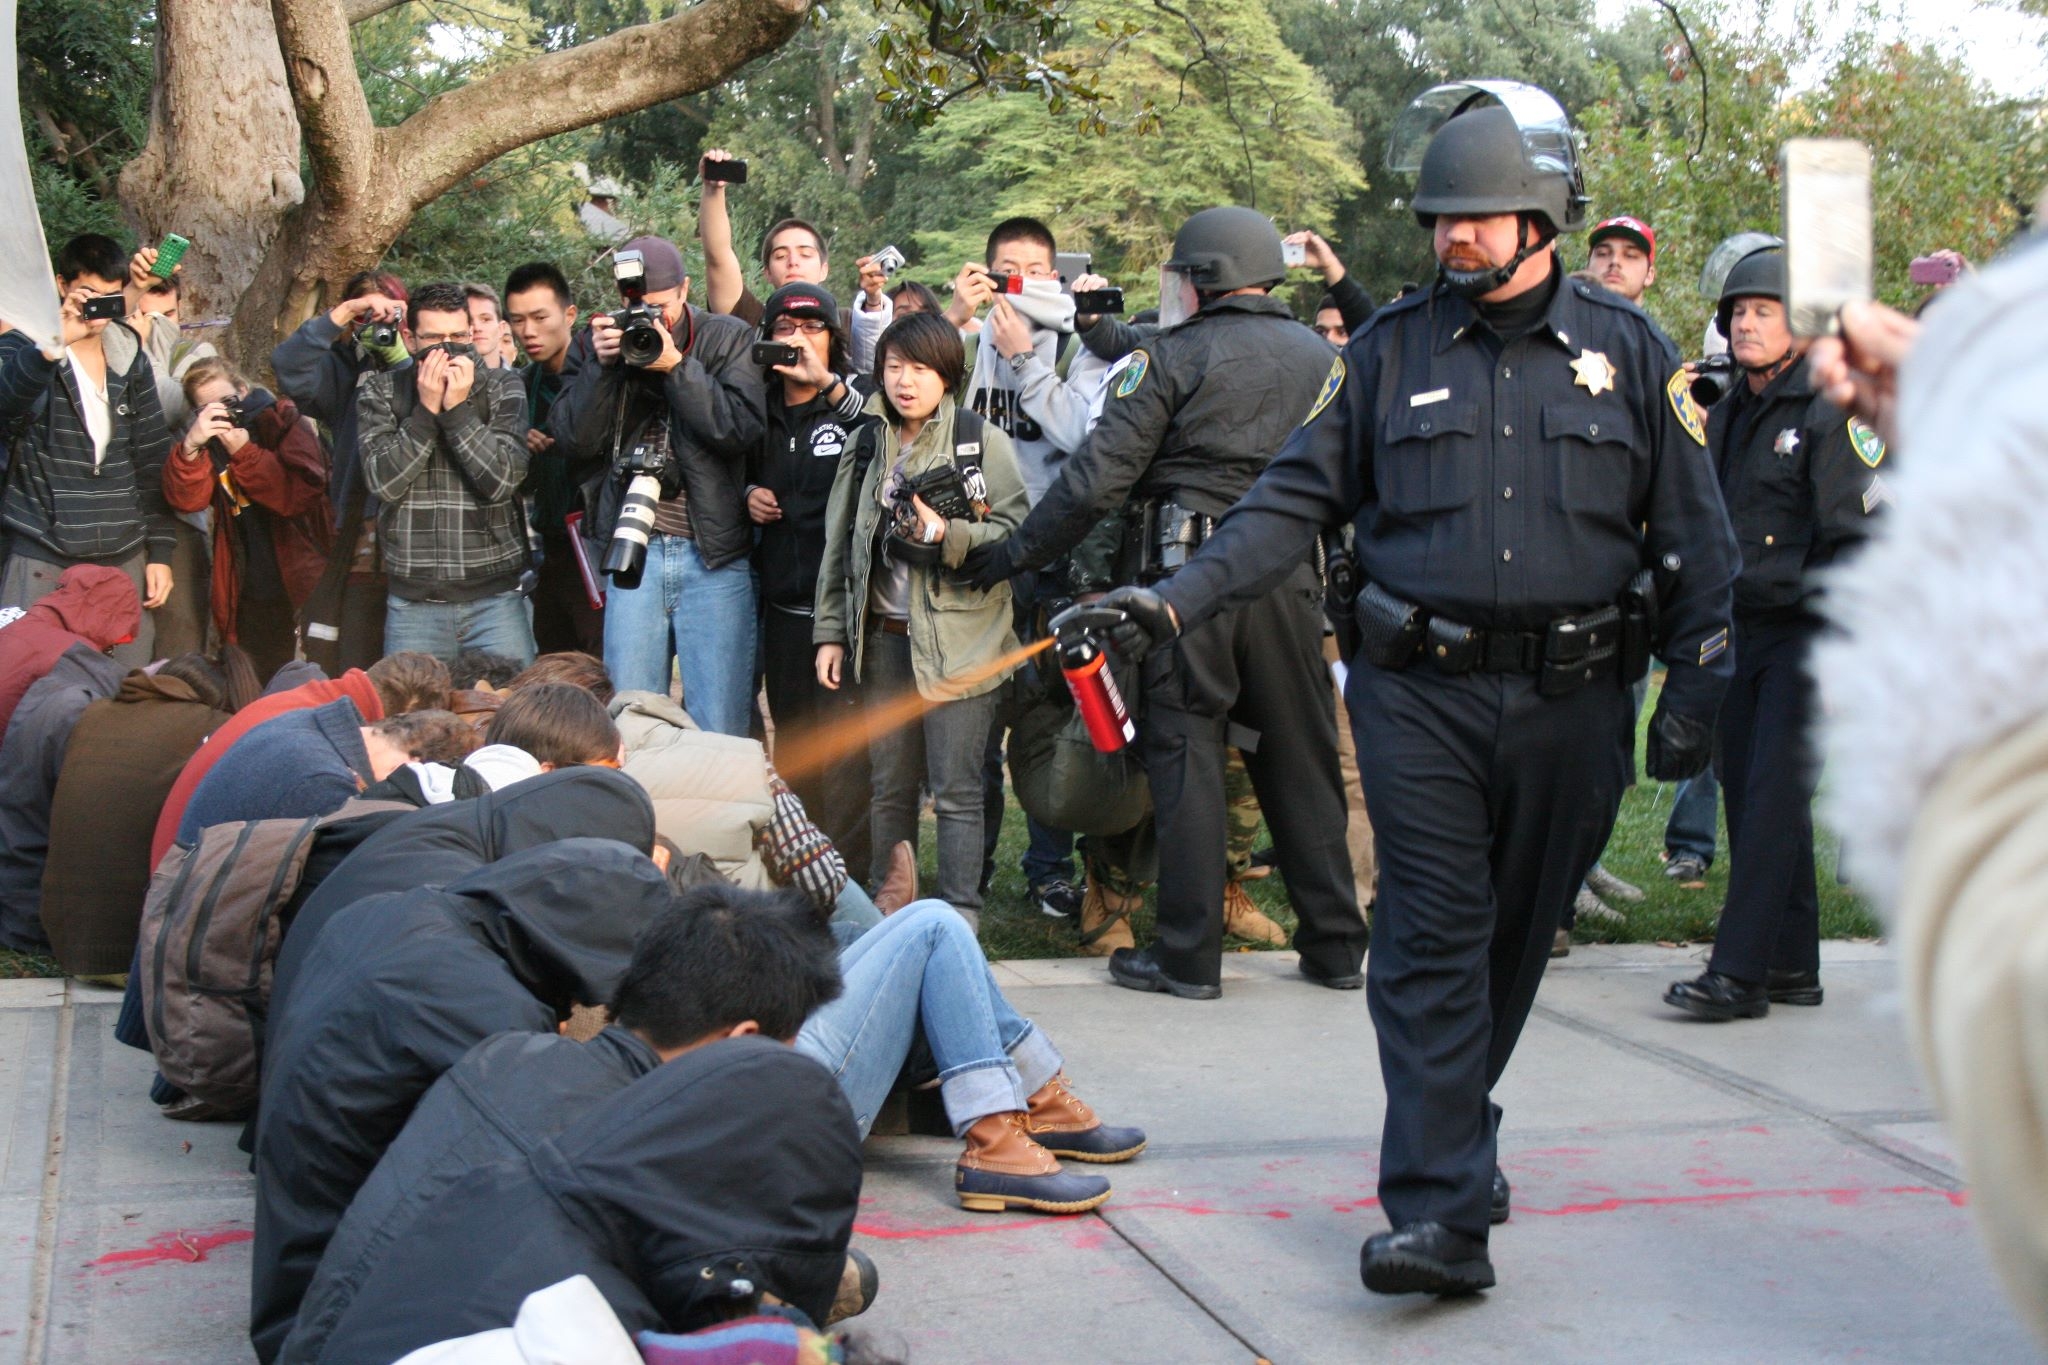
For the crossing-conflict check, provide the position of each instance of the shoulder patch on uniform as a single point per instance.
(1331, 386)
(1869, 446)
(1679, 391)
(1133, 367)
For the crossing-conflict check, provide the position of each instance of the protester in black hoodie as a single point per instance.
(720, 963)
(814, 413)
(396, 989)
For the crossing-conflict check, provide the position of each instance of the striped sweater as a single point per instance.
(60, 505)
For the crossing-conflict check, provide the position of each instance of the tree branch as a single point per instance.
(622, 73)
(359, 10)
(321, 68)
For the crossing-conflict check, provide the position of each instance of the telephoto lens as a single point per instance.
(640, 337)
(626, 557)
(1712, 378)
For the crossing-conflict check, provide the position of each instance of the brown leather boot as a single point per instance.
(899, 888)
(1106, 919)
(1061, 1122)
(1245, 920)
(1003, 1168)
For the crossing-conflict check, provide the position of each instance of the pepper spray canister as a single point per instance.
(1079, 633)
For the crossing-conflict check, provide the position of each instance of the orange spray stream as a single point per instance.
(830, 744)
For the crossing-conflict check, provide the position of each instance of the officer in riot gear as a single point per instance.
(1533, 516)
(1189, 419)
(1802, 481)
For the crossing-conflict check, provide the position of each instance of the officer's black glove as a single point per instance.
(987, 565)
(1148, 622)
(1680, 746)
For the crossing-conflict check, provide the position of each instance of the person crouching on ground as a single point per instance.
(890, 613)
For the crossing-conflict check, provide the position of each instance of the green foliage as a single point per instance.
(84, 70)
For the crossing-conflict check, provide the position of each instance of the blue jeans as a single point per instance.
(497, 623)
(924, 965)
(853, 914)
(702, 618)
(1690, 830)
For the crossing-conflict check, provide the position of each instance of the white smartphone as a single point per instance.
(1294, 255)
(1828, 248)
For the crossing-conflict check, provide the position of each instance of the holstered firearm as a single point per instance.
(1638, 625)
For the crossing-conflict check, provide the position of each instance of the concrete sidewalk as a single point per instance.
(1766, 1191)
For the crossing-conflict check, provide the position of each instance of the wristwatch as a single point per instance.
(1019, 361)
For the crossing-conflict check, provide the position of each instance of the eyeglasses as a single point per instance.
(426, 339)
(789, 327)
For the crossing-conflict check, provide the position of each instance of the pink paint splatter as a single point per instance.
(1847, 1197)
(175, 1246)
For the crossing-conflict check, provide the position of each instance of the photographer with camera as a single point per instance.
(86, 444)
(444, 447)
(918, 492)
(661, 428)
(814, 411)
(261, 469)
(1345, 305)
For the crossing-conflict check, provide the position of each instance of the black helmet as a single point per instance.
(1486, 147)
(1228, 248)
(1759, 275)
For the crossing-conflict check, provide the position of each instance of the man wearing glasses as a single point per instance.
(444, 448)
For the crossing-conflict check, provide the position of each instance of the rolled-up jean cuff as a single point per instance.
(974, 1092)
(1036, 1059)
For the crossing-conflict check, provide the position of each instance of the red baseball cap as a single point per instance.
(1625, 226)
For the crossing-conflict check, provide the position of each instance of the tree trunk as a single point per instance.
(221, 166)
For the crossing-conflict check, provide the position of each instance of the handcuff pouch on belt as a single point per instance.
(1390, 631)
(1168, 536)
(1569, 653)
(1578, 649)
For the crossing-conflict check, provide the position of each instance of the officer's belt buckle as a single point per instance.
(1511, 651)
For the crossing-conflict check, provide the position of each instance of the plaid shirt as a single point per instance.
(451, 527)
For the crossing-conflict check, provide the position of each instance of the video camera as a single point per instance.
(946, 492)
(640, 324)
(1712, 378)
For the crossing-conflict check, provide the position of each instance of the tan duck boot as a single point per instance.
(899, 888)
(1245, 920)
(1003, 1168)
(1106, 918)
(1061, 1122)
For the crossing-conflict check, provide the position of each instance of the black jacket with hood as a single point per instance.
(395, 991)
(511, 1093)
(397, 851)
(736, 1161)
(31, 757)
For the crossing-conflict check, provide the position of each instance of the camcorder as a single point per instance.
(1712, 378)
(945, 490)
(103, 307)
(640, 324)
(767, 353)
(1089, 302)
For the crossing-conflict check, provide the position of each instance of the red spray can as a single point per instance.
(1085, 664)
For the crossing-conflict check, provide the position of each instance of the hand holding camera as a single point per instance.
(972, 288)
(83, 307)
(210, 423)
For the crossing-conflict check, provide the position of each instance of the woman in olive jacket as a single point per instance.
(928, 651)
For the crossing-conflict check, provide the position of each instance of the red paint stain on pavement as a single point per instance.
(1204, 1210)
(175, 1246)
(1847, 1197)
(886, 1232)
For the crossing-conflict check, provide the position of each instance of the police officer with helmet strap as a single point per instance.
(1534, 515)
(1188, 421)
(1802, 481)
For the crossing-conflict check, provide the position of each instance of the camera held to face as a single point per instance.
(640, 324)
(235, 408)
(1711, 379)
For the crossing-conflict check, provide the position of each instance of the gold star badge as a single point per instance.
(1595, 371)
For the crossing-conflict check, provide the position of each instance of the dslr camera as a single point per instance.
(236, 409)
(640, 323)
(1712, 378)
(641, 469)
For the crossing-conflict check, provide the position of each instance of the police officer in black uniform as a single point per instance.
(1188, 421)
(1801, 480)
(1517, 457)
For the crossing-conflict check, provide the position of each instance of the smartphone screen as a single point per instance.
(1828, 251)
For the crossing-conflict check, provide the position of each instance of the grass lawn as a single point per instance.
(1012, 926)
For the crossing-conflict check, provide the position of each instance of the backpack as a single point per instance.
(209, 941)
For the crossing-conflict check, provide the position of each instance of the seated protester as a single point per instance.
(561, 725)
(921, 972)
(719, 963)
(395, 990)
(1346, 306)
(812, 415)
(371, 855)
(482, 670)
(718, 796)
(92, 605)
(85, 472)
(693, 413)
(734, 1161)
(307, 763)
(263, 471)
(571, 666)
(123, 755)
(444, 448)
(890, 615)
(391, 686)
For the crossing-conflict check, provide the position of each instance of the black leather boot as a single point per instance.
(1424, 1258)
(1719, 997)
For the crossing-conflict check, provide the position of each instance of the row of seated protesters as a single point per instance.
(566, 991)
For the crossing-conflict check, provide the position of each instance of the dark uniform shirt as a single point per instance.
(1500, 485)
(1195, 412)
(1801, 482)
